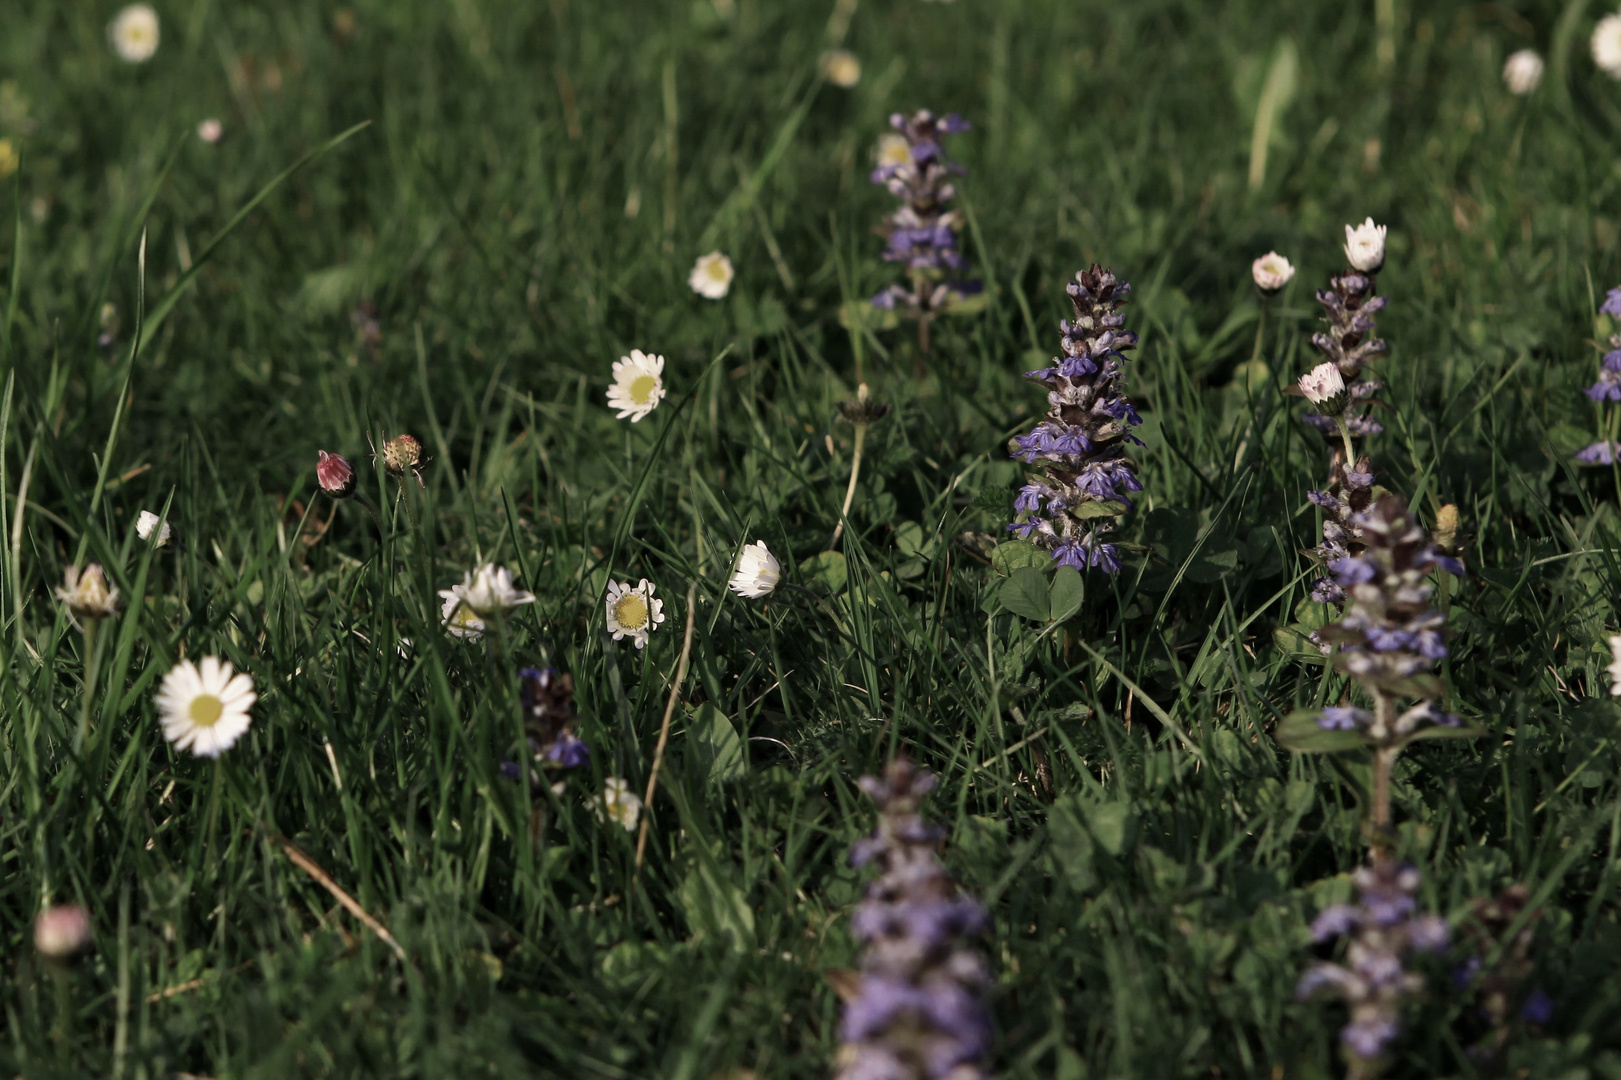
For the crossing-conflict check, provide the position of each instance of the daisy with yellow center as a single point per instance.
(893, 149)
(638, 385)
(204, 708)
(461, 620)
(134, 33)
(711, 275)
(633, 612)
(618, 803)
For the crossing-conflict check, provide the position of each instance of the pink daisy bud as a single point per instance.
(335, 475)
(1325, 387)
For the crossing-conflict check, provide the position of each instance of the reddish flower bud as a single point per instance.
(335, 475)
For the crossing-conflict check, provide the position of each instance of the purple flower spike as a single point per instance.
(548, 711)
(1385, 932)
(1612, 302)
(923, 232)
(916, 1010)
(1608, 388)
(1081, 443)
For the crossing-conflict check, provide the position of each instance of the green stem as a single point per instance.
(1260, 332)
(89, 684)
(1345, 437)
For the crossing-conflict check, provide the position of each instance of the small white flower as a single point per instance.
(210, 131)
(638, 385)
(757, 572)
(1365, 246)
(841, 67)
(1522, 72)
(711, 276)
(1615, 665)
(488, 591)
(617, 803)
(134, 33)
(1322, 383)
(1271, 272)
(1607, 45)
(458, 618)
(205, 710)
(894, 149)
(86, 594)
(633, 612)
(147, 522)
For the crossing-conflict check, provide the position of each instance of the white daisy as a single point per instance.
(205, 710)
(147, 522)
(1522, 72)
(711, 276)
(489, 590)
(1607, 45)
(86, 594)
(638, 385)
(617, 803)
(1615, 665)
(841, 68)
(757, 572)
(633, 611)
(894, 149)
(1365, 246)
(134, 33)
(458, 618)
(1271, 272)
(1322, 383)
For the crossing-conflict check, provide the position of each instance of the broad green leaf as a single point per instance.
(958, 304)
(1100, 508)
(1067, 592)
(1211, 564)
(1010, 555)
(860, 314)
(1462, 731)
(716, 908)
(1300, 732)
(1026, 593)
(1071, 844)
(827, 570)
(1113, 825)
(716, 749)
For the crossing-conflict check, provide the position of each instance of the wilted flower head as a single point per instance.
(638, 385)
(863, 409)
(335, 475)
(204, 708)
(489, 591)
(401, 455)
(1522, 72)
(1365, 246)
(711, 278)
(633, 611)
(618, 803)
(86, 594)
(61, 931)
(133, 33)
(1080, 444)
(147, 524)
(915, 1010)
(841, 67)
(757, 572)
(1386, 931)
(1607, 45)
(1271, 272)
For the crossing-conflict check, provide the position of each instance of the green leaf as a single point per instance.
(1099, 508)
(1113, 825)
(1299, 731)
(860, 314)
(828, 570)
(1211, 565)
(1419, 686)
(1437, 731)
(1067, 592)
(716, 749)
(958, 304)
(1071, 844)
(1010, 555)
(1026, 593)
(1295, 642)
(716, 908)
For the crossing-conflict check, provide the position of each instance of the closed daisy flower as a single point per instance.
(149, 523)
(1607, 45)
(633, 612)
(134, 33)
(204, 708)
(757, 572)
(489, 590)
(458, 618)
(638, 385)
(711, 275)
(893, 150)
(617, 803)
(841, 68)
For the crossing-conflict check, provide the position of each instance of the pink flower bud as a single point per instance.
(335, 475)
(61, 931)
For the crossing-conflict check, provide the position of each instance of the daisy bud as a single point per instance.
(61, 931)
(1325, 388)
(402, 454)
(758, 572)
(86, 593)
(335, 475)
(149, 524)
(1365, 246)
(1522, 72)
(1271, 272)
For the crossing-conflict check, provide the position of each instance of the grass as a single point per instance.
(534, 183)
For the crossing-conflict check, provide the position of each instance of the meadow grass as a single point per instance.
(522, 208)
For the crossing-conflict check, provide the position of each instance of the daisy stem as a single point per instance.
(89, 683)
(214, 805)
(1260, 332)
(664, 726)
(1345, 437)
(410, 508)
(850, 492)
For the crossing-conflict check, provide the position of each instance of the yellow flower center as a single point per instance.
(205, 710)
(631, 611)
(717, 271)
(641, 389)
